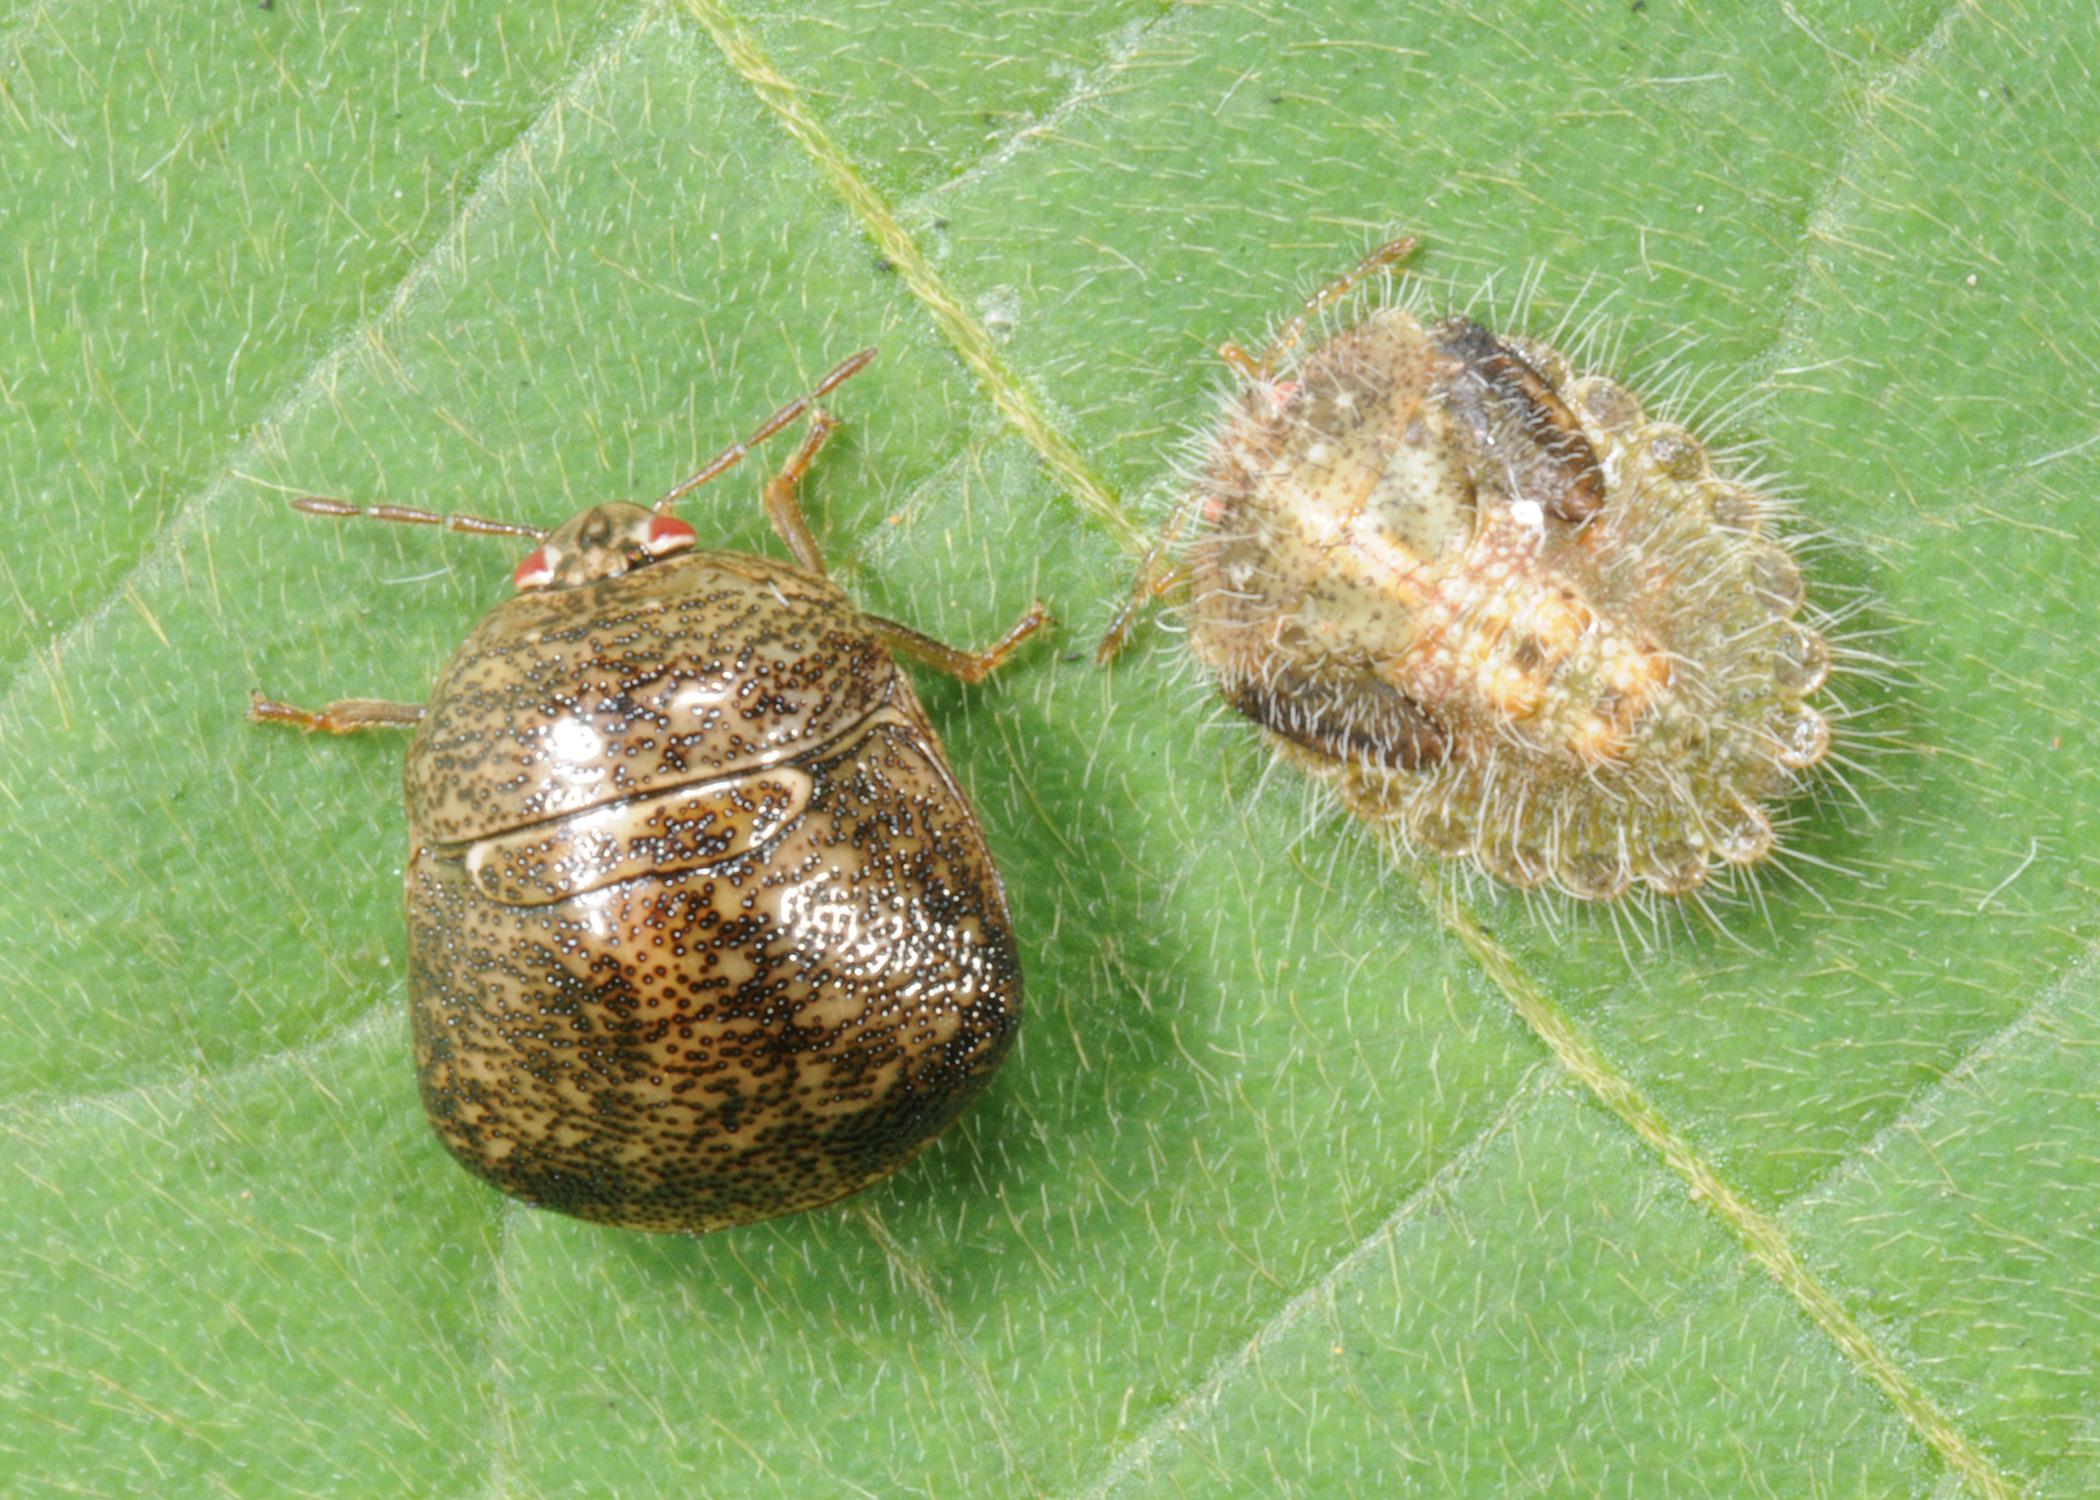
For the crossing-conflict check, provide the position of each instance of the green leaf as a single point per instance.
(1315, 1174)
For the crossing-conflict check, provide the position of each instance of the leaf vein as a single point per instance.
(967, 336)
(1759, 1233)
(319, 383)
(914, 1275)
(1125, 43)
(1200, 1404)
(181, 1087)
(1819, 224)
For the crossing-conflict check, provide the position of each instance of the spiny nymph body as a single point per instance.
(1502, 612)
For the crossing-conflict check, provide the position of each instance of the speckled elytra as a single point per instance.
(701, 929)
(1506, 615)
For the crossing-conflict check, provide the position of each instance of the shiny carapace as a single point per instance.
(701, 928)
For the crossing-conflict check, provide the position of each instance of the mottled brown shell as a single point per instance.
(701, 929)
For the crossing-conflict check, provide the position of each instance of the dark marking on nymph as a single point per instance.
(1350, 716)
(1498, 371)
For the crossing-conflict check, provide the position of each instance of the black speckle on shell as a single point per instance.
(757, 1027)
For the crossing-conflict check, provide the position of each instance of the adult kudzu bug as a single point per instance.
(700, 927)
(1505, 614)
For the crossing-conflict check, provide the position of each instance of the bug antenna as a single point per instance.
(409, 515)
(729, 457)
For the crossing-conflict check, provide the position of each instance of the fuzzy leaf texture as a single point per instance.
(1313, 1175)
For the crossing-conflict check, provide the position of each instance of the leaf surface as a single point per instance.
(1314, 1174)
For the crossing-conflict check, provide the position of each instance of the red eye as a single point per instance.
(667, 534)
(535, 571)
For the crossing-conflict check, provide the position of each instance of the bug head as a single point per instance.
(602, 542)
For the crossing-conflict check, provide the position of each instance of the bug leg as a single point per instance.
(836, 376)
(1260, 368)
(969, 666)
(1246, 366)
(1155, 580)
(784, 504)
(1156, 577)
(344, 716)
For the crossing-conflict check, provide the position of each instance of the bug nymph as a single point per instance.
(1507, 616)
(701, 929)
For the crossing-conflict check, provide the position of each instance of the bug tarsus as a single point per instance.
(343, 716)
(964, 666)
